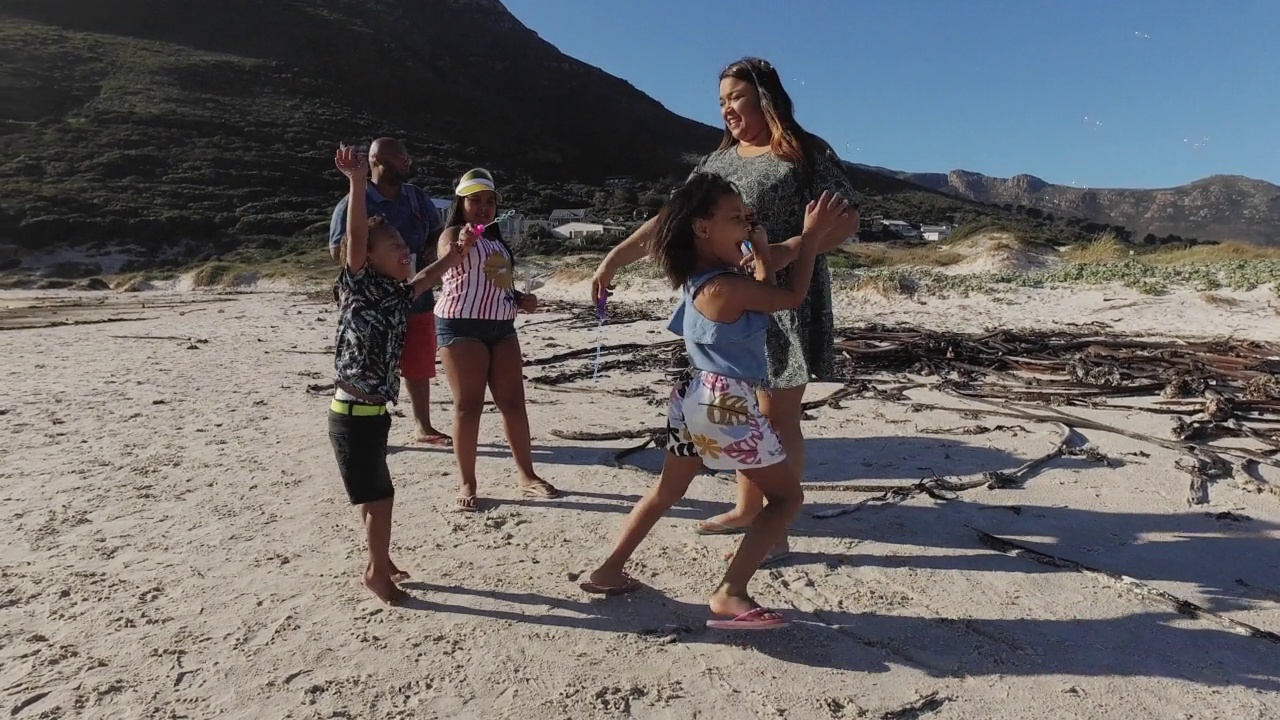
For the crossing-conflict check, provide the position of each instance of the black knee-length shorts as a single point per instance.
(360, 446)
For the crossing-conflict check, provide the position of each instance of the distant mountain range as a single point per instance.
(1220, 207)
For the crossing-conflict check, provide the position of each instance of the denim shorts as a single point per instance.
(489, 332)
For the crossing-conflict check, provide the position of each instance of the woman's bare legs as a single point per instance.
(506, 382)
(466, 364)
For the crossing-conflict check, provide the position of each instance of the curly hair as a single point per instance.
(675, 245)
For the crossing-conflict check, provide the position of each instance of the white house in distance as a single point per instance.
(935, 233)
(580, 229)
(901, 228)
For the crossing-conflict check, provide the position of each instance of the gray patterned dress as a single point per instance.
(799, 341)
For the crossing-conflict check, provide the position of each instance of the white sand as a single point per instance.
(178, 545)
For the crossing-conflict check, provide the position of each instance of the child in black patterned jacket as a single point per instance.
(374, 295)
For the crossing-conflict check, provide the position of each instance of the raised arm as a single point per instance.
(452, 239)
(450, 249)
(829, 176)
(736, 295)
(355, 165)
(623, 254)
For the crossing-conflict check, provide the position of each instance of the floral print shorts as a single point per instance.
(718, 419)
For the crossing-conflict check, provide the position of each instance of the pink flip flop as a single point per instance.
(758, 619)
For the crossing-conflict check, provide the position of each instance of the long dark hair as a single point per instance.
(788, 140)
(675, 245)
(457, 217)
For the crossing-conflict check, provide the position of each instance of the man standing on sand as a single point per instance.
(411, 212)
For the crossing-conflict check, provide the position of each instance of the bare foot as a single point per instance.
(726, 605)
(382, 586)
(398, 575)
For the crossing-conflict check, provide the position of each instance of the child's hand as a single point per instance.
(756, 248)
(757, 236)
(760, 254)
(351, 162)
(822, 214)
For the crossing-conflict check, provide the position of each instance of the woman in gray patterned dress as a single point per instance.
(779, 168)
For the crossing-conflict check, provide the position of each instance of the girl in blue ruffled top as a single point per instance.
(714, 418)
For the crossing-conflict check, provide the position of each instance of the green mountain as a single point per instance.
(214, 123)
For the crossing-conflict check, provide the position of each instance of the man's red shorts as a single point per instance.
(418, 360)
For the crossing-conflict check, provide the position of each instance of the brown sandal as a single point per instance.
(541, 489)
(467, 504)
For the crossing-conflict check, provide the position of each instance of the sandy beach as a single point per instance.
(179, 544)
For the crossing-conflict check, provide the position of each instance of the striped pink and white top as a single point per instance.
(481, 287)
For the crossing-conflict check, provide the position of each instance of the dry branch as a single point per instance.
(1223, 388)
(69, 323)
(602, 436)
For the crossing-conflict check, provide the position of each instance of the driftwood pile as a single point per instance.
(1212, 389)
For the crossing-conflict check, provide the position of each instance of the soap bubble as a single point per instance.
(1195, 142)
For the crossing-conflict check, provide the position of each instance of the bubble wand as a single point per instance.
(600, 317)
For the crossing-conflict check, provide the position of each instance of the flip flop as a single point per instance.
(467, 504)
(629, 584)
(541, 489)
(758, 619)
(438, 440)
(712, 527)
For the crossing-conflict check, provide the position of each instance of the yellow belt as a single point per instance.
(356, 409)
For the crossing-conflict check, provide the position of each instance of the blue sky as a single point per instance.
(1103, 93)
